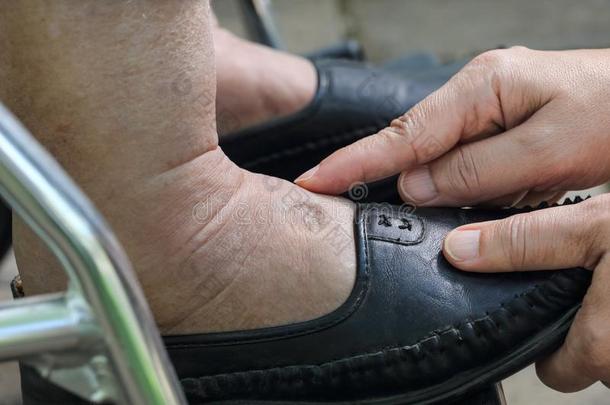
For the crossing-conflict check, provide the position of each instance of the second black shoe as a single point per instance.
(353, 100)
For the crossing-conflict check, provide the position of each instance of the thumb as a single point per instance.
(548, 239)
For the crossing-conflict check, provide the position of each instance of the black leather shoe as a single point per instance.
(414, 330)
(353, 100)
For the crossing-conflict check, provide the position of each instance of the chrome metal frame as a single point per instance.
(98, 339)
(260, 22)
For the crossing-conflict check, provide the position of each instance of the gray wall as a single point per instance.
(389, 28)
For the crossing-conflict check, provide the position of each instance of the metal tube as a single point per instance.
(40, 324)
(44, 196)
(260, 24)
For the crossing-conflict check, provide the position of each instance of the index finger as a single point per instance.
(465, 106)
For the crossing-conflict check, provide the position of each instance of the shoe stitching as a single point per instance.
(384, 220)
(347, 136)
(417, 241)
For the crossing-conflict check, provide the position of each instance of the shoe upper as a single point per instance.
(412, 321)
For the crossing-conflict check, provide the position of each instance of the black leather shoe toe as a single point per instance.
(414, 330)
(353, 100)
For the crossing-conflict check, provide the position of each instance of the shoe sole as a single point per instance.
(461, 384)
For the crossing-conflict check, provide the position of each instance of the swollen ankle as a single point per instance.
(269, 245)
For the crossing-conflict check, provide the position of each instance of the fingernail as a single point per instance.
(307, 175)
(418, 185)
(463, 245)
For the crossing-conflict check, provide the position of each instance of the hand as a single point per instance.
(515, 125)
(555, 238)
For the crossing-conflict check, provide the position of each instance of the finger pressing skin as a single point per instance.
(553, 238)
(584, 357)
(465, 107)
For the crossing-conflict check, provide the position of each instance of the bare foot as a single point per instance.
(228, 249)
(257, 252)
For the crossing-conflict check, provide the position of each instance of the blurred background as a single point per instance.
(429, 32)
(389, 29)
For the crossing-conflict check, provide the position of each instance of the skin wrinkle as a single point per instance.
(177, 324)
(209, 235)
(467, 172)
(496, 86)
(203, 240)
(401, 128)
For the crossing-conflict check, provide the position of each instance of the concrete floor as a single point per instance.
(452, 29)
